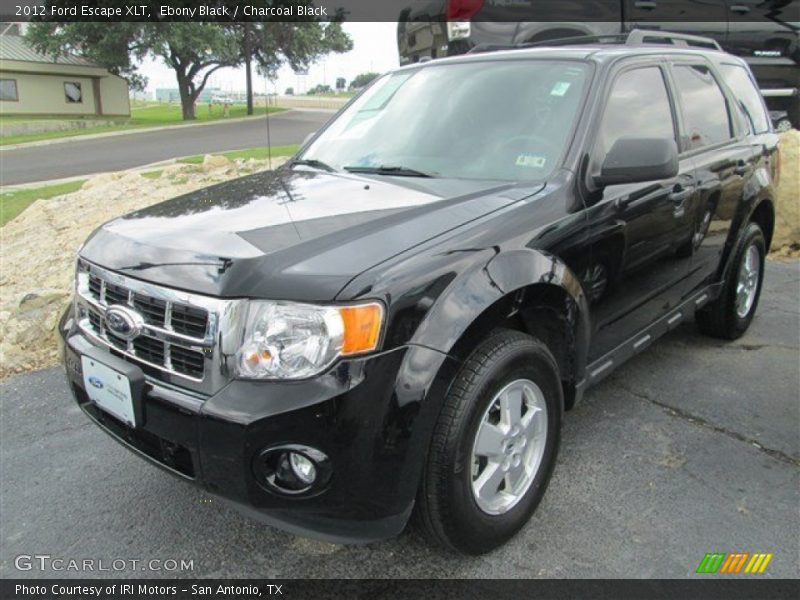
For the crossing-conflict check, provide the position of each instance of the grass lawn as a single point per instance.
(151, 115)
(170, 114)
(259, 153)
(14, 202)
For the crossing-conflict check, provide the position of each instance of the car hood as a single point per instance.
(288, 234)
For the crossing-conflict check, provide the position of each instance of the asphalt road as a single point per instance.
(114, 153)
(692, 447)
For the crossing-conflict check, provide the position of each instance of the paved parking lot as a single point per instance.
(75, 156)
(692, 447)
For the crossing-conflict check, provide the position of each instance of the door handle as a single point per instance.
(645, 4)
(680, 194)
(741, 9)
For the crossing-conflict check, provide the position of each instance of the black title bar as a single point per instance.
(144, 589)
(361, 10)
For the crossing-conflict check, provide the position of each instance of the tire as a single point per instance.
(447, 509)
(723, 318)
(783, 125)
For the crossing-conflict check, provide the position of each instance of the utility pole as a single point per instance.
(248, 55)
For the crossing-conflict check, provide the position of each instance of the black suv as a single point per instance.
(398, 318)
(766, 33)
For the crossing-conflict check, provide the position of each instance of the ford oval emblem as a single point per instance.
(123, 322)
(96, 382)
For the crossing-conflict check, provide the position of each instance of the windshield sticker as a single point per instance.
(560, 88)
(530, 161)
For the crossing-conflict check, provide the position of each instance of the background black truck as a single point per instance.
(763, 32)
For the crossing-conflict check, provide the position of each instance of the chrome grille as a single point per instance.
(181, 334)
(183, 319)
(188, 320)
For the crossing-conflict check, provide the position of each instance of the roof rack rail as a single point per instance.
(578, 39)
(649, 36)
(635, 36)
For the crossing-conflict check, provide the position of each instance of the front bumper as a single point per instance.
(372, 417)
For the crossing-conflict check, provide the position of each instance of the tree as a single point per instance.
(193, 50)
(117, 52)
(272, 44)
(360, 81)
(247, 49)
(320, 89)
(297, 44)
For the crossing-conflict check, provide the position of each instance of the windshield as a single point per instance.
(506, 120)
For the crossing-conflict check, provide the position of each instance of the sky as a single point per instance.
(374, 49)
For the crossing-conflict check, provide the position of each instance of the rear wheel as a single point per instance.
(731, 314)
(494, 445)
(783, 125)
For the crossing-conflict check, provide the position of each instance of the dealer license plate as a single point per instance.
(108, 389)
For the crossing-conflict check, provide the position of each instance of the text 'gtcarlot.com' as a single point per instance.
(47, 562)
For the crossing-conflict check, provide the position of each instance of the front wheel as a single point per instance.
(494, 445)
(730, 315)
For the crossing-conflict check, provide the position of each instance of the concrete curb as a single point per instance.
(94, 136)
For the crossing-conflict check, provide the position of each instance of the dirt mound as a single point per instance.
(39, 249)
(786, 241)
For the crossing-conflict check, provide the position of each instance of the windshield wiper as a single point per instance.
(388, 170)
(313, 162)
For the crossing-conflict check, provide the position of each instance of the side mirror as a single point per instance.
(308, 137)
(634, 160)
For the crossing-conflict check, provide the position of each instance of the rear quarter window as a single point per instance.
(747, 97)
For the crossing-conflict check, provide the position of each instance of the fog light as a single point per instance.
(302, 468)
(292, 469)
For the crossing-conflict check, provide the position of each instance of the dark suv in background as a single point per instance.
(398, 318)
(763, 32)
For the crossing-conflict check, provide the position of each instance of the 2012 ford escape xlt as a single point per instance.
(397, 320)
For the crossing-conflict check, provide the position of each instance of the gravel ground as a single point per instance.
(692, 447)
(37, 264)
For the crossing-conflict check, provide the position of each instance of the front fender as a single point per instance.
(538, 270)
(488, 287)
(457, 307)
(510, 281)
(518, 268)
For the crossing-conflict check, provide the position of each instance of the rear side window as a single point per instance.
(705, 110)
(637, 107)
(747, 96)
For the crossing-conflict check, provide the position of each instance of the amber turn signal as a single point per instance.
(362, 327)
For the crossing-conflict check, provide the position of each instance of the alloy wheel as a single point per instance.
(747, 284)
(508, 447)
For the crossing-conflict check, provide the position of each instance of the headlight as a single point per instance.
(293, 341)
